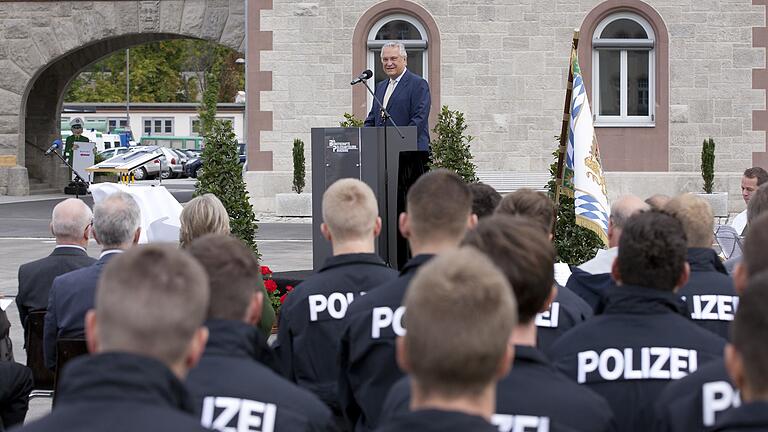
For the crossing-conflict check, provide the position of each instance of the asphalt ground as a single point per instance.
(25, 236)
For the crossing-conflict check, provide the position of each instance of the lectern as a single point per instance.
(389, 166)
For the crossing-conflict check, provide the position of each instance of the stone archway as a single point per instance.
(44, 45)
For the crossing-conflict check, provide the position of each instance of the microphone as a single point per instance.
(56, 144)
(362, 77)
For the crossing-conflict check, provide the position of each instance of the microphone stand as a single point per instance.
(78, 180)
(386, 118)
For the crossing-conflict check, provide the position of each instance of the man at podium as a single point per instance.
(404, 94)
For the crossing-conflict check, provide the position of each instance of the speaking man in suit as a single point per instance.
(116, 227)
(404, 94)
(71, 226)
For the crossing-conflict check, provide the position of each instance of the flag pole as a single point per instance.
(560, 172)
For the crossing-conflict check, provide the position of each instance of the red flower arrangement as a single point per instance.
(277, 295)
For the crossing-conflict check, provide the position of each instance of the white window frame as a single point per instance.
(192, 121)
(152, 120)
(117, 121)
(412, 46)
(623, 46)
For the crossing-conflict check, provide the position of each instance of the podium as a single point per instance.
(360, 153)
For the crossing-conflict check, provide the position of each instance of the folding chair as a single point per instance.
(41, 375)
(66, 350)
(728, 240)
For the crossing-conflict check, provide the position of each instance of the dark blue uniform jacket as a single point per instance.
(590, 287)
(709, 293)
(750, 417)
(230, 383)
(367, 349)
(312, 320)
(119, 392)
(566, 311)
(630, 352)
(697, 401)
(432, 420)
(534, 396)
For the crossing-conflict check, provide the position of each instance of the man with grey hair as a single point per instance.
(405, 95)
(144, 334)
(71, 226)
(116, 222)
(591, 279)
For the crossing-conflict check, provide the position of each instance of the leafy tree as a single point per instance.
(299, 166)
(350, 121)
(450, 148)
(708, 164)
(574, 244)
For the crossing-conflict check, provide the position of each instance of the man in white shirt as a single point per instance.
(752, 179)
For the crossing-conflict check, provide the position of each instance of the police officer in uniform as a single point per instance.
(709, 293)
(76, 126)
(551, 401)
(312, 317)
(233, 389)
(144, 334)
(438, 212)
(697, 401)
(568, 309)
(461, 312)
(745, 359)
(643, 339)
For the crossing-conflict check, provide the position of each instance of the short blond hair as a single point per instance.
(460, 293)
(696, 216)
(350, 210)
(203, 215)
(151, 300)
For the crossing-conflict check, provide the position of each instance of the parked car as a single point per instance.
(153, 168)
(110, 153)
(194, 165)
(175, 164)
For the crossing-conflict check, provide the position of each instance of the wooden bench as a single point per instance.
(510, 181)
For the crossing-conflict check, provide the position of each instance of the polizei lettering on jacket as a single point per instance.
(228, 414)
(636, 364)
(550, 317)
(520, 423)
(335, 305)
(384, 318)
(714, 307)
(717, 397)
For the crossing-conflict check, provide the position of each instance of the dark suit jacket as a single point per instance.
(408, 106)
(71, 296)
(36, 278)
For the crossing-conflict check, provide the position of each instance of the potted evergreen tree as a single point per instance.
(450, 147)
(717, 200)
(299, 203)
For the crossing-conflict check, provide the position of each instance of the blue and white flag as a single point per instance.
(583, 163)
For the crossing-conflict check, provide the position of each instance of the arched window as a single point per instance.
(623, 91)
(403, 28)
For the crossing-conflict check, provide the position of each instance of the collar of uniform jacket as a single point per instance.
(353, 258)
(637, 300)
(122, 377)
(705, 259)
(229, 337)
(415, 263)
(529, 354)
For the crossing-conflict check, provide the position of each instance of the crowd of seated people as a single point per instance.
(473, 333)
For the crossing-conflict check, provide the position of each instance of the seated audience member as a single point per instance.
(526, 257)
(484, 199)
(206, 215)
(643, 339)
(71, 226)
(116, 227)
(746, 359)
(144, 334)
(709, 293)
(312, 317)
(568, 309)
(230, 384)
(758, 204)
(592, 279)
(432, 225)
(15, 387)
(752, 179)
(658, 201)
(695, 402)
(460, 316)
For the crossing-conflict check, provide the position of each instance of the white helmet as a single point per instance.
(77, 121)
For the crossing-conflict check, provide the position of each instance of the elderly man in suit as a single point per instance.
(116, 227)
(404, 94)
(71, 226)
